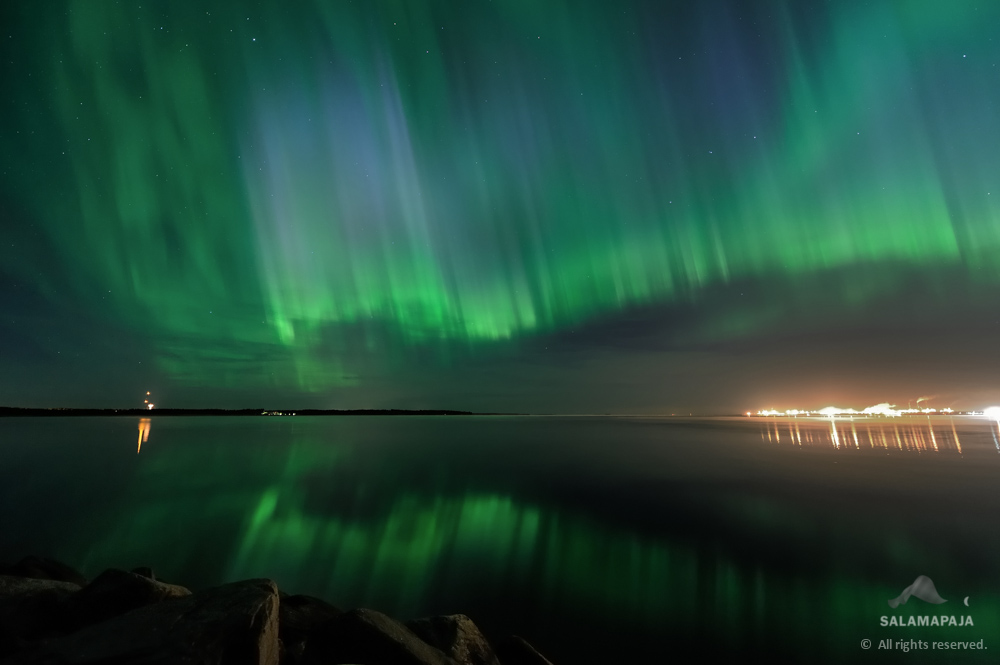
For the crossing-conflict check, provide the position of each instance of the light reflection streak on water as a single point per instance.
(920, 436)
(144, 426)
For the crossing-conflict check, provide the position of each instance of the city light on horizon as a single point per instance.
(883, 409)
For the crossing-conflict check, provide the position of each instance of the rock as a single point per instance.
(299, 617)
(235, 623)
(12, 587)
(50, 615)
(115, 592)
(31, 609)
(457, 636)
(516, 651)
(43, 569)
(145, 571)
(370, 637)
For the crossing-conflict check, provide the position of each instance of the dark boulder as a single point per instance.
(50, 615)
(228, 625)
(145, 571)
(115, 592)
(43, 569)
(516, 651)
(299, 618)
(372, 638)
(31, 609)
(457, 636)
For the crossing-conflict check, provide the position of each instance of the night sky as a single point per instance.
(558, 206)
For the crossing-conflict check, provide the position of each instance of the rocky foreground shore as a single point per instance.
(51, 614)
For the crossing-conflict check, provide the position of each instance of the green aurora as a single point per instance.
(279, 199)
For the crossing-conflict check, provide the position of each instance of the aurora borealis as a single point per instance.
(499, 205)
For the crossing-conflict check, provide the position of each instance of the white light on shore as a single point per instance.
(883, 409)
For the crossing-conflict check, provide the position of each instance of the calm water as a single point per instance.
(597, 539)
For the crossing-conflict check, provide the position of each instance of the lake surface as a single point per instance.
(597, 539)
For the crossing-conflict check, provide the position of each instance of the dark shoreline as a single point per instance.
(14, 412)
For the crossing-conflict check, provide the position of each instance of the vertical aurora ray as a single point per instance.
(271, 194)
(819, 196)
